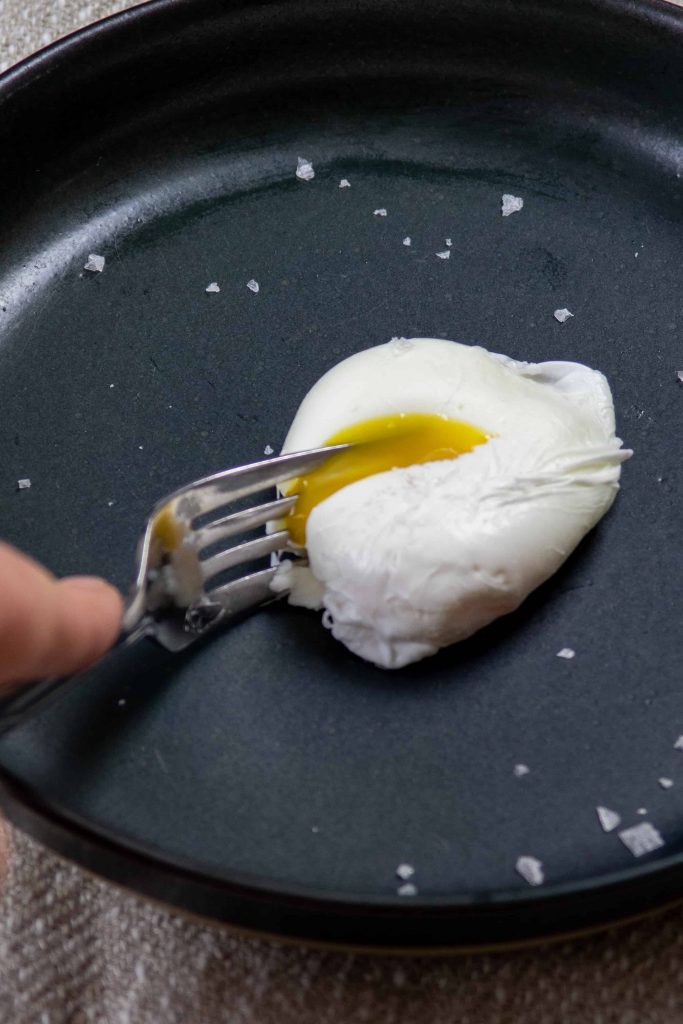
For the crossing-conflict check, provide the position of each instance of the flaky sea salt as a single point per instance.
(520, 770)
(449, 242)
(511, 204)
(304, 169)
(641, 839)
(665, 783)
(562, 315)
(213, 287)
(609, 820)
(253, 286)
(407, 889)
(268, 450)
(94, 263)
(23, 484)
(678, 745)
(531, 870)
(345, 183)
(567, 653)
(380, 213)
(405, 871)
(445, 255)
(642, 810)
(679, 374)
(407, 240)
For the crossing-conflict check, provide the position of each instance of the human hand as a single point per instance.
(50, 626)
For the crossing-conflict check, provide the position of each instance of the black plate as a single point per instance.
(271, 779)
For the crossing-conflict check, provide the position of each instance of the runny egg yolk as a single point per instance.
(382, 443)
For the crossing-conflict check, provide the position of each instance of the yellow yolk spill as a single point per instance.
(383, 443)
(167, 529)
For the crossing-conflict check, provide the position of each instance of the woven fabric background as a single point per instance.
(74, 950)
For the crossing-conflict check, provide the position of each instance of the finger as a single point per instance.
(51, 627)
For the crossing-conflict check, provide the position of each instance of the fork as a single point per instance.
(173, 599)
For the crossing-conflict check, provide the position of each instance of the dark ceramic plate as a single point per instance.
(270, 779)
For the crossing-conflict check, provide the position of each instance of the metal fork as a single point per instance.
(173, 599)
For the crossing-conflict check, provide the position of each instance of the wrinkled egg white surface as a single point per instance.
(413, 559)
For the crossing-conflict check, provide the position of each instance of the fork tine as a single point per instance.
(212, 492)
(246, 592)
(246, 552)
(221, 529)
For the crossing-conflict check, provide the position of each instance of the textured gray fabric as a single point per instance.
(74, 950)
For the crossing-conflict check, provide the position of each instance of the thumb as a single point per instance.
(50, 626)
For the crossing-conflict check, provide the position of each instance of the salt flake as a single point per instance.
(511, 204)
(567, 653)
(678, 745)
(641, 839)
(608, 819)
(213, 287)
(521, 770)
(679, 374)
(449, 242)
(304, 169)
(407, 240)
(23, 484)
(531, 870)
(380, 213)
(665, 783)
(445, 255)
(268, 450)
(253, 286)
(562, 315)
(345, 183)
(405, 871)
(94, 263)
(642, 810)
(407, 889)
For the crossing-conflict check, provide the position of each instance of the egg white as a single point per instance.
(413, 559)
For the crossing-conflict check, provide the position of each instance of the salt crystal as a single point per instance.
(112, 385)
(304, 169)
(95, 263)
(407, 240)
(511, 204)
(679, 374)
(642, 810)
(566, 653)
(530, 869)
(562, 315)
(380, 213)
(678, 745)
(268, 450)
(641, 839)
(23, 484)
(449, 242)
(608, 819)
(445, 255)
(345, 183)
(405, 871)
(122, 702)
(253, 286)
(110, 503)
(407, 889)
(213, 287)
(520, 770)
(315, 829)
(665, 783)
